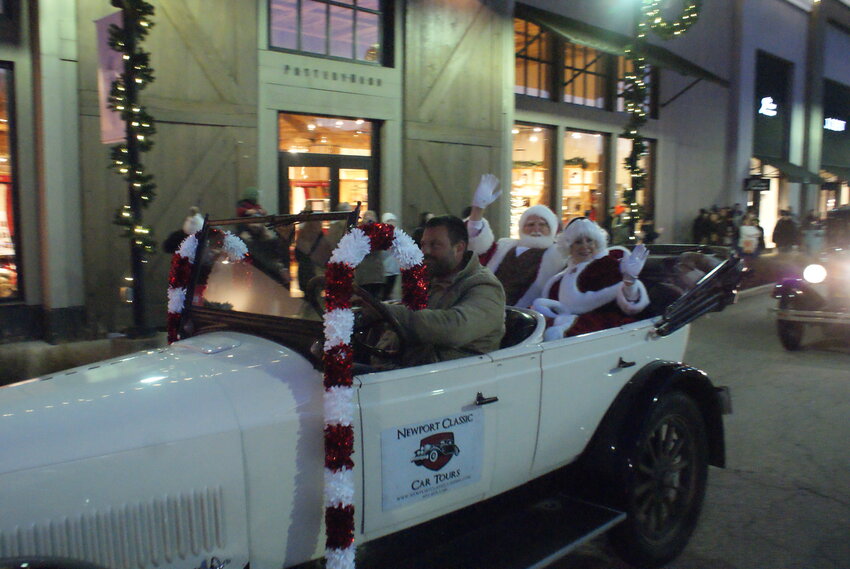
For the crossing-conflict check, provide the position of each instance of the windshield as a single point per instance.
(286, 254)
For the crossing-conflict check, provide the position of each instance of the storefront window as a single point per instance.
(327, 160)
(533, 62)
(584, 177)
(645, 198)
(349, 29)
(9, 243)
(532, 167)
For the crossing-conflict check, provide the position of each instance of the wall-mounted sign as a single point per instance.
(836, 125)
(768, 107)
(756, 184)
(771, 103)
(836, 137)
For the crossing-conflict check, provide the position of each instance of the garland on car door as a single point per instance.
(338, 359)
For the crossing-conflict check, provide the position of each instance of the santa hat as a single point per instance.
(543, 212)
(582, 227)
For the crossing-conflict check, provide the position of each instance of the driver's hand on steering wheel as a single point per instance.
(366, 314)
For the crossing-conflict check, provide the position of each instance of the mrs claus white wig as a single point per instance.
(582, 227)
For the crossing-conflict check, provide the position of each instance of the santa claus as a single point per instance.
(522, 265)
(599, 288)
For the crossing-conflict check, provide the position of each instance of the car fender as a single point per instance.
(610, 449)
(798, 293)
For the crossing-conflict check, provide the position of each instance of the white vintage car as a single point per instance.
(209, 453)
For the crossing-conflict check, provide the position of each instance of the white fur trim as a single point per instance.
(562, 324)
(352, 248)
(339, 487)
(541, 211)
(404, 249)
(340, 558)
(582, 302)
(176, 299)
(339, 325)
(630, 307)
(188, 247)
(551, 263)
(548, 307)
(339, 407)
(481, 243)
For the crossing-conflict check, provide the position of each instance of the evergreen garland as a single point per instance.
(123, 98)
(635, 92)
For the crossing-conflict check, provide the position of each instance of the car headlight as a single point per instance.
(814, 273)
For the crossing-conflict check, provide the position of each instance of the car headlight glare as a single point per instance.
(814, 273)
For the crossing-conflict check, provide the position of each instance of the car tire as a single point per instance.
(433, 456)
(664, 491)
(790, 333)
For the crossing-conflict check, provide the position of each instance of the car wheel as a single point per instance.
(665, 486)
(790, 333)
(433, 456)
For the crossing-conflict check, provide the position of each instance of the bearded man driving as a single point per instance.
(523, 265)
(466, 303)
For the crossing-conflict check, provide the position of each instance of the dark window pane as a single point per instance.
(341, 34)
(284, 21)
(313, 26)
(368, 34)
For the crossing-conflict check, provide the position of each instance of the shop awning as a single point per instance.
(792, 172)
(612, 42)
(842, 172)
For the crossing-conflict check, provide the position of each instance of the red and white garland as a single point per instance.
(181, 272)
(338, 358)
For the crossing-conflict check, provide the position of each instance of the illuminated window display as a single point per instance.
(328, 161)
(584, 176)
(9, 248)
(532, 167)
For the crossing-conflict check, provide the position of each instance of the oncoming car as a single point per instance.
(820, 295)
(209, 453)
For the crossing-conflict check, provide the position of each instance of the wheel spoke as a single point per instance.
(680, 465)
(676, 447)
(642, 489)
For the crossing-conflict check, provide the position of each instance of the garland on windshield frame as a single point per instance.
(338, 359)
(181, 271)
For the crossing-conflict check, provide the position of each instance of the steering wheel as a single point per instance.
(367, 333)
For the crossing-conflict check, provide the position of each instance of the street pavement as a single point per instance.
(783, 502)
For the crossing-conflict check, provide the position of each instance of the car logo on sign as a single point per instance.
(435, 451)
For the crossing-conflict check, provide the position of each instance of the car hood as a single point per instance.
(144, 399)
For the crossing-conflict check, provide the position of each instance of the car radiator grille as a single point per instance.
(155, 533)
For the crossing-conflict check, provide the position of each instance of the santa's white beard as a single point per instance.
(538, 242)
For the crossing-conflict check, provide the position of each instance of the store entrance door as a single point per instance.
(319, 182)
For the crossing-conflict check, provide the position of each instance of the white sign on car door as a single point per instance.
(425, 459)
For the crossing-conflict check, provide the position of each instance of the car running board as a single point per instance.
(528, 535)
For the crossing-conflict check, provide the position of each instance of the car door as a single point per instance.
(581, 377)
(430, 438)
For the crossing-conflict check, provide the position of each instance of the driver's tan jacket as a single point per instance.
(465, 316)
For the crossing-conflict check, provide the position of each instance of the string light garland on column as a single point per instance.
(635, 92)
(123, 98)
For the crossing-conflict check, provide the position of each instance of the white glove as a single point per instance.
(632, 265)
(486, 192)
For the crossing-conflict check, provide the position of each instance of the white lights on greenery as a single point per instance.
(768, 107)
(836, 125)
